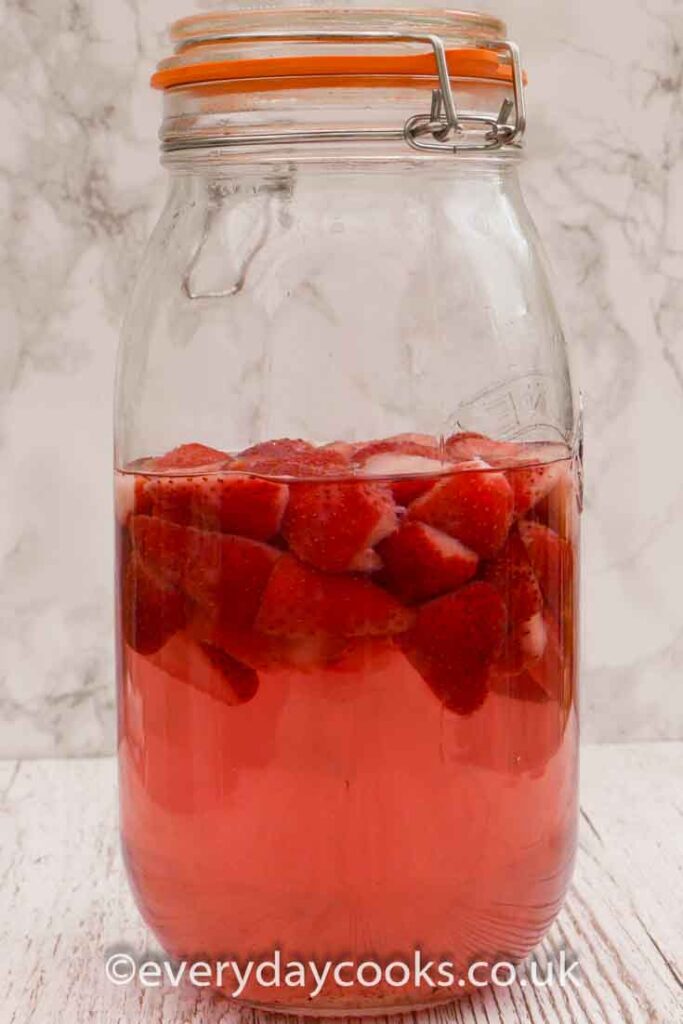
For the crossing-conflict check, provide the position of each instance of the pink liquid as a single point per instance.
(344, 812)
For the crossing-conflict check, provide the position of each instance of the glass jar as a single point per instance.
(347, 483)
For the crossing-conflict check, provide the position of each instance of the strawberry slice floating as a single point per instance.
(331, 526)
(176, 497)
(244, 505)
(454, 643)
(190, 456)
(469, 445)
(474, 505)
(207, 669)
(421, 562)
(151, 610)
(512, 574)
(300, 601)
(285, 457)
(513, 577)
(263, 652)
(532, 483)
(553, 670)
(215, 570)
(408, 455)
(552, 561)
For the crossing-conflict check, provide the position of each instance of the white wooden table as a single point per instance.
(65, 904)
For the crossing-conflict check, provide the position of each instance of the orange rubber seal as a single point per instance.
(333, 70)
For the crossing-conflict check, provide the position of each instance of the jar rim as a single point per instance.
(248, 45)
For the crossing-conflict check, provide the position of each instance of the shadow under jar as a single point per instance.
(347, 496)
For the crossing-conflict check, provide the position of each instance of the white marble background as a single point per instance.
(80, 189)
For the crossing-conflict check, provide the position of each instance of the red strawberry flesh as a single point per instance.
(151, 610)
(208, 669)
(215, 570)
(421, 562)
(330, 525)
(454, 643)
(301, 601)
(473, 504)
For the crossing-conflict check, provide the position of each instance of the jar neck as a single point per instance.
(211, 124)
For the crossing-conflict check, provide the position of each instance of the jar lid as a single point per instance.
(275, 45)
(293, 48)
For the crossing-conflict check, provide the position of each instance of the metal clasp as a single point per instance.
(449, 130)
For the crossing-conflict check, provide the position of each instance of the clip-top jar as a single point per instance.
(347, 467)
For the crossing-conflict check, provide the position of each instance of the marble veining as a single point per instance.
(81, 188)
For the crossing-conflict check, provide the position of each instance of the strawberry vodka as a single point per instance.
(347, 694)
(347, 653)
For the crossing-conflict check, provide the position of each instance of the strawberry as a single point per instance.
(215, 570)
(518, 687)
(190, 456)
(166, 492)
(454, 643)
(330, 525)
(231, 503)
(473, 504)
(300, 601)
(176, 498)
(208, 669)
(469, 445)
(151, 610)
(559, 508)
(288, 458)
(533, 468)
(546, 465)
(419, 445)
(421, 562)
(245, 505)
(406, 455)
(511, 573)
(551, 559)
(553, 670)
(263, 652)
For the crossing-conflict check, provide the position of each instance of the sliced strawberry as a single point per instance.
(406, 455)
(179, 499)
(553, 670)
(191, 456)
(300, 601)
(559, 508)
(329, 525)
(531, 483)
(208, 669)
(244, 505)
(473, 504)
(551, 559)
(455, 641)
(362, 654)
(231, 502)
(216, 570)
(511, 573)
(264, 652)
(421, 445)
(366, 561)
(469, 445)
(167, 493)
(421, 562)
(288, 458)
(519, 687)
(151, 610)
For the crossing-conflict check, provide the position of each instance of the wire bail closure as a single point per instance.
(444, 129)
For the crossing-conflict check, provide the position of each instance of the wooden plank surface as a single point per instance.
(65, 904)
